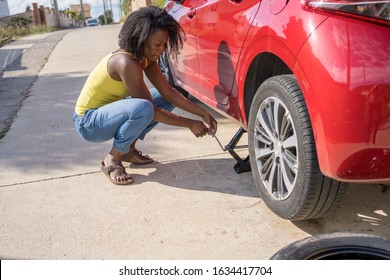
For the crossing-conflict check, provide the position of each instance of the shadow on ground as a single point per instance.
(210, 175)
(365, 209)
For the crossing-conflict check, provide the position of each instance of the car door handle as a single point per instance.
(191, 13)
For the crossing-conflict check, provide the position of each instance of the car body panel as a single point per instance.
(188, 62)
(285, 41)
(349, 98)
(220, 22)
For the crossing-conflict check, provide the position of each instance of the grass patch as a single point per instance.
(20, 26)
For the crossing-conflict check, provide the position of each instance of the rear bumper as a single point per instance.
(349, 98)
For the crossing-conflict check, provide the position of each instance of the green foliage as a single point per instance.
(18, 22)
(125, 6)
(15, 27)
(101, 19)
(73, 14)
(19, 26)
(109, 17)
(159, 3)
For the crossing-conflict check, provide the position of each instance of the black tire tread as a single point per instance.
(320, 193)
(324, 245)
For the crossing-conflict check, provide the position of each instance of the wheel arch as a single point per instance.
(265, 65)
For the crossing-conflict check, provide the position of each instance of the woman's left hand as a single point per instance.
(211, 122)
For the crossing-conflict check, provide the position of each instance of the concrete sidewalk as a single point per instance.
(20, 63)
(56, 203)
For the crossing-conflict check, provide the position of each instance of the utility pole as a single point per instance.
(120, 9)
(112, 12)
(105, 11)
(57, 15)
(82, 12)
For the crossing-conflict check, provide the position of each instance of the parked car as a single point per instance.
(308, 80)
(92, 22)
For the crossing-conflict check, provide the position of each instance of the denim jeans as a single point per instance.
(125, 121)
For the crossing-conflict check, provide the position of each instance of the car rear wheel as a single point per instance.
(336, 246)
(283, 155)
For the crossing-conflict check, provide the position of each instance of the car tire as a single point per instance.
(163, 63)
(283, 155)
(336, 246)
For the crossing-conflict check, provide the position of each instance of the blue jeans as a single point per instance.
(125, 120)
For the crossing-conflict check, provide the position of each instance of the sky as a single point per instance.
(19, 6)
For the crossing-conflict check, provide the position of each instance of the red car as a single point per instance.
(308, 80)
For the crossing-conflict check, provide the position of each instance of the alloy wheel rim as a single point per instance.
(276, 148)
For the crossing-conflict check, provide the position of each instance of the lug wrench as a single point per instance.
(219, 143)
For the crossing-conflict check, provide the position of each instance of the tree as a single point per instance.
(125, 7)
(73, 14)
(109, 16)
(158, 3)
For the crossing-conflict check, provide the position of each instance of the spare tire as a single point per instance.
(337, 246)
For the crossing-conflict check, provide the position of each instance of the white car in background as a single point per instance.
(92, 22)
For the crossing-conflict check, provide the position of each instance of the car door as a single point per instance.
(222, 26)
(186, 66)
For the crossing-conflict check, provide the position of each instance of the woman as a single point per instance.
(116, 103)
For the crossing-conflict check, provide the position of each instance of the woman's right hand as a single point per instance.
(198, 128)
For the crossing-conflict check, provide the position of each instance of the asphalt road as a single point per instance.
(56, 204)
(20, 63)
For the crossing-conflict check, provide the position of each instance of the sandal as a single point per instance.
(118, 171)
(137, 157)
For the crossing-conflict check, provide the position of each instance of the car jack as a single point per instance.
(242, 165)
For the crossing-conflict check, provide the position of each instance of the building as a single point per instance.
(77, 9)
(4, 10)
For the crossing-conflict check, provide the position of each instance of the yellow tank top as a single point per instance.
(100, 89)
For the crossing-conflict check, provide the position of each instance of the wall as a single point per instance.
(47, 16)
(136, 4)
(4, 10)
(77, 8)
(65, 20)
